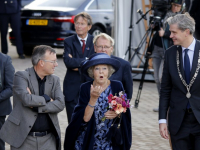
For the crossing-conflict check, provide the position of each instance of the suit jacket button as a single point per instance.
(5, 2)
(11, 1)
(35, 115)
(29, 126)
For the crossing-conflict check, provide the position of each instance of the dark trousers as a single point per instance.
(188, 136)
(70, 109)
(15, 22)
(2, 143)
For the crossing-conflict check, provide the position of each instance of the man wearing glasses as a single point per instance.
(37, 99)
(77, 49)
(103, 43)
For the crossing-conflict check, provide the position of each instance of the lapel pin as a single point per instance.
(87, 48)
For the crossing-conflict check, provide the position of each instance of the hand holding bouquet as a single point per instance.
(118, 104)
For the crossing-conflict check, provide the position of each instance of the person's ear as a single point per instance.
(95, 48)
(41, 62)
(188, 31)
(112, 49)
(89, 27)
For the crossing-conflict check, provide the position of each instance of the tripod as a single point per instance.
(147, 56)
(144, 69)
(144, 38)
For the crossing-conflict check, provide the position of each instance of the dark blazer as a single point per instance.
(123, 75)
(72, 79)
(77, 119)
(10, 6)
(173, 92)
(6, 82)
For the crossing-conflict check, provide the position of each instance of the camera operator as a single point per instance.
(161, 41)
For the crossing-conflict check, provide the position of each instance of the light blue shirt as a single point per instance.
(190, 52)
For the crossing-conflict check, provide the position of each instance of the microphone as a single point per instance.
(141, 13)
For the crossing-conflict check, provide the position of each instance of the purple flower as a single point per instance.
(128, 104)
(124, 104)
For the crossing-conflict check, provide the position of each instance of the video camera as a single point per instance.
(160, 8)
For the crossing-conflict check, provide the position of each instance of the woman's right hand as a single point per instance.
(94, 95)
(95, 92)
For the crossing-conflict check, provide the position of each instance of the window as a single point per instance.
(105, 4)
(59, 3)
(93, 5)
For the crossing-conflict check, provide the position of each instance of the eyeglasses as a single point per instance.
(103, 47)
(51, 61)
(80, 24)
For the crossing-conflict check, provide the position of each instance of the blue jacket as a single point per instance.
(77, 118)
(72, 79)
(6, 82)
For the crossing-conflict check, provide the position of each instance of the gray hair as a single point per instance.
(85, 16)
(111, 70)
(39, 53)
(105, 36)
(184, 21)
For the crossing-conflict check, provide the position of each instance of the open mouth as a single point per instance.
(101, 77)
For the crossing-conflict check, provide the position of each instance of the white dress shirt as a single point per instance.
(82, 39)
(191, 55)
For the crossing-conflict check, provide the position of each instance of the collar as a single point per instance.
(38, 78)
(191, 47)
(82, 39)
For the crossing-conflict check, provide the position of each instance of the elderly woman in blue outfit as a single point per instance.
(86, 130)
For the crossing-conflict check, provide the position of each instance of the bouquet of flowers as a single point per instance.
(118, 104)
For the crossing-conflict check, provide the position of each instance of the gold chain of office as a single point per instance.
(188, 95)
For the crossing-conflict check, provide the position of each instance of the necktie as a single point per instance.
(83, 47)
(187, 66)
(187, 70)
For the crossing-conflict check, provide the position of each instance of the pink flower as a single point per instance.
(119, 100)
(114, 97)
(113, 102)
(119, 109)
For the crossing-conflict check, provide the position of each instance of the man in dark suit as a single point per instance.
(103, 43)
(10, 13)
(179, 96)
(6, 82)
(77, 49)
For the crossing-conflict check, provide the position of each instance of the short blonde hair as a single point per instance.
(111, 70)
(105, 36)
